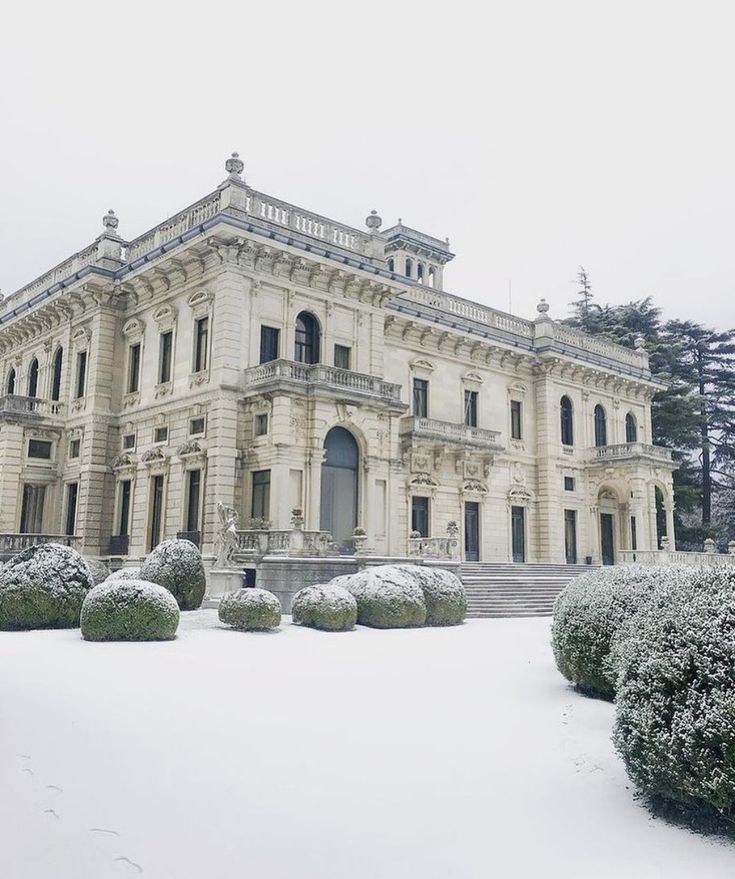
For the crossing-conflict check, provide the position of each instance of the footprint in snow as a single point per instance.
(29, 771)
(51, 812)
(55, 787)
(24, 756)
(131, 864)
(103, 830)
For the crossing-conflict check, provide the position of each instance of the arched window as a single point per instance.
(432, 276)
(11, 381)
(307, 339)
(391, 265)
(33, 378)
(631, 428)
(409, 267)
(56, 375)
(420, 271)
(600, 426)
(567, 421)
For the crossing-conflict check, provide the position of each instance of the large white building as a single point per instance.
(250, 353)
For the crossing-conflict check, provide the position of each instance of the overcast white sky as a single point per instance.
(536, 135)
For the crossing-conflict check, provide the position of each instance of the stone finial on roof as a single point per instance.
(543, 306)
(110, 222)
(234, 167)
(640, 343)
(373, 222)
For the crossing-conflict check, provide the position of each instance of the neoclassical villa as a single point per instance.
(252, 356)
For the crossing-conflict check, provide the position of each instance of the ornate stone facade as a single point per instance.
(255, 355)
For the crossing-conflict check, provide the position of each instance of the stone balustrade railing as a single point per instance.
(433, 547)
(674, 557)
(448, 431)
(630, 450)
(595, 345)
(15, 403)
(190, 218)
(12, 543)
(293, 542)
(321, 374)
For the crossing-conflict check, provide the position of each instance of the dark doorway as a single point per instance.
(660, 516)
(518, 533)
(570, 536)
(156, 511)
(339, 485)
(472, 531)
(420, 516)
(607, 538)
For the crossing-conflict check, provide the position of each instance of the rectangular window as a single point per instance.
(128, 441)
(156, 510)
(165, 351)
(31, 513)
(568, 483)
(516, 429)
(196, 427)
(261, 424)
(269, 338)
(160, 435)
(261, 504)
(570, 536)
(420, 515)
(134, 368)
(420, 398)
(470, 408)
(123, 523)
(201, 342)
(72, 492)
(74, 448)
(193, 495)
(633, 534)
(342, 356)
(81, 383)
(39, 449)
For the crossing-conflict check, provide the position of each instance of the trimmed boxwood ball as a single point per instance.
(43, 587)
(327, 607)
(99, 570)
(387, 596)
(129, 610)
(125, 574)
(590, 613)
(444, 595)
(250, 610)
(177, 565)
(675, 725)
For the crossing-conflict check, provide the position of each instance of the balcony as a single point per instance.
(14, 406)
(449, 432)
(629, 452)
(11, 544)
(287, 375)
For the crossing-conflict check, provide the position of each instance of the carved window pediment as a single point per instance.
(133, 328)
(473, 378)
(165, 317)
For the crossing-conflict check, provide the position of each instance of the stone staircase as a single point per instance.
(514, 590)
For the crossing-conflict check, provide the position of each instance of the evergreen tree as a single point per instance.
(586, 312)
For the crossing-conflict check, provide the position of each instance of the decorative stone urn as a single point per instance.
(709, 545)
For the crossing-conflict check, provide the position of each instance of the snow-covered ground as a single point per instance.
(422, 753)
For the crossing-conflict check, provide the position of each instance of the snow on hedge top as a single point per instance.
(123, 593)
(99, 570)
(382, 580)
(326, 596)
(177, 565)
(125, 574)
(55, 568)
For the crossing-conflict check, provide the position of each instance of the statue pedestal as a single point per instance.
(221, 581)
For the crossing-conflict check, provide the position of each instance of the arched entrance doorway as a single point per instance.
(339, 485)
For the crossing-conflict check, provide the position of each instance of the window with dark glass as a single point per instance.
(470, 408)
(74, 448)
(123, 522)
(201, 342)
(72, 492)
(133, 368)
(11, 382)
(193, 495)
(33, 378)
(261, 424)
(261, 501)
(56, 375)
(568, 483)
(165, 352)
(39, 449)
(570, 536)
(31, 512)
(306, 348)
(567, 422)
(156, 510)
(342, 356)
(196, 427)
(160, 435)
(631, 428)
(515, 420)
(600, 426)
(128, 441)
(269, 342)
(420, 515)
(633, 534)
(81, 374)
(420, 398)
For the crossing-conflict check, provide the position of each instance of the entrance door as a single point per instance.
(607, 538)
(518, 533)
(472, 531)
(570, 536)
(31, 514)
(338, 513)
(156, 511)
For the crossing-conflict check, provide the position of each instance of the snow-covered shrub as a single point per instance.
(129, 610)
(43, 587)
(328, 607)
(388, 597)
(177, 565)
(125, 574)
(251, 610)
(444, 595)
(675, 725)
(99, 570)
(588, 615)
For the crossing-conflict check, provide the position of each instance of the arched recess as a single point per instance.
(33, 378)
(631, 428)
(306, 346)
(10, 384)
(56, 374)
(340, 485)
(566, 414)
(600, 426)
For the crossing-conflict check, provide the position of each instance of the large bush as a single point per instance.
(675, 726)
(125, 574)
(328, 607)
(388, 597)
(591, 611)
(250, 610)
(129, 610)
(43, 587)
(177, 565)
(99, 570)
(444, 595)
